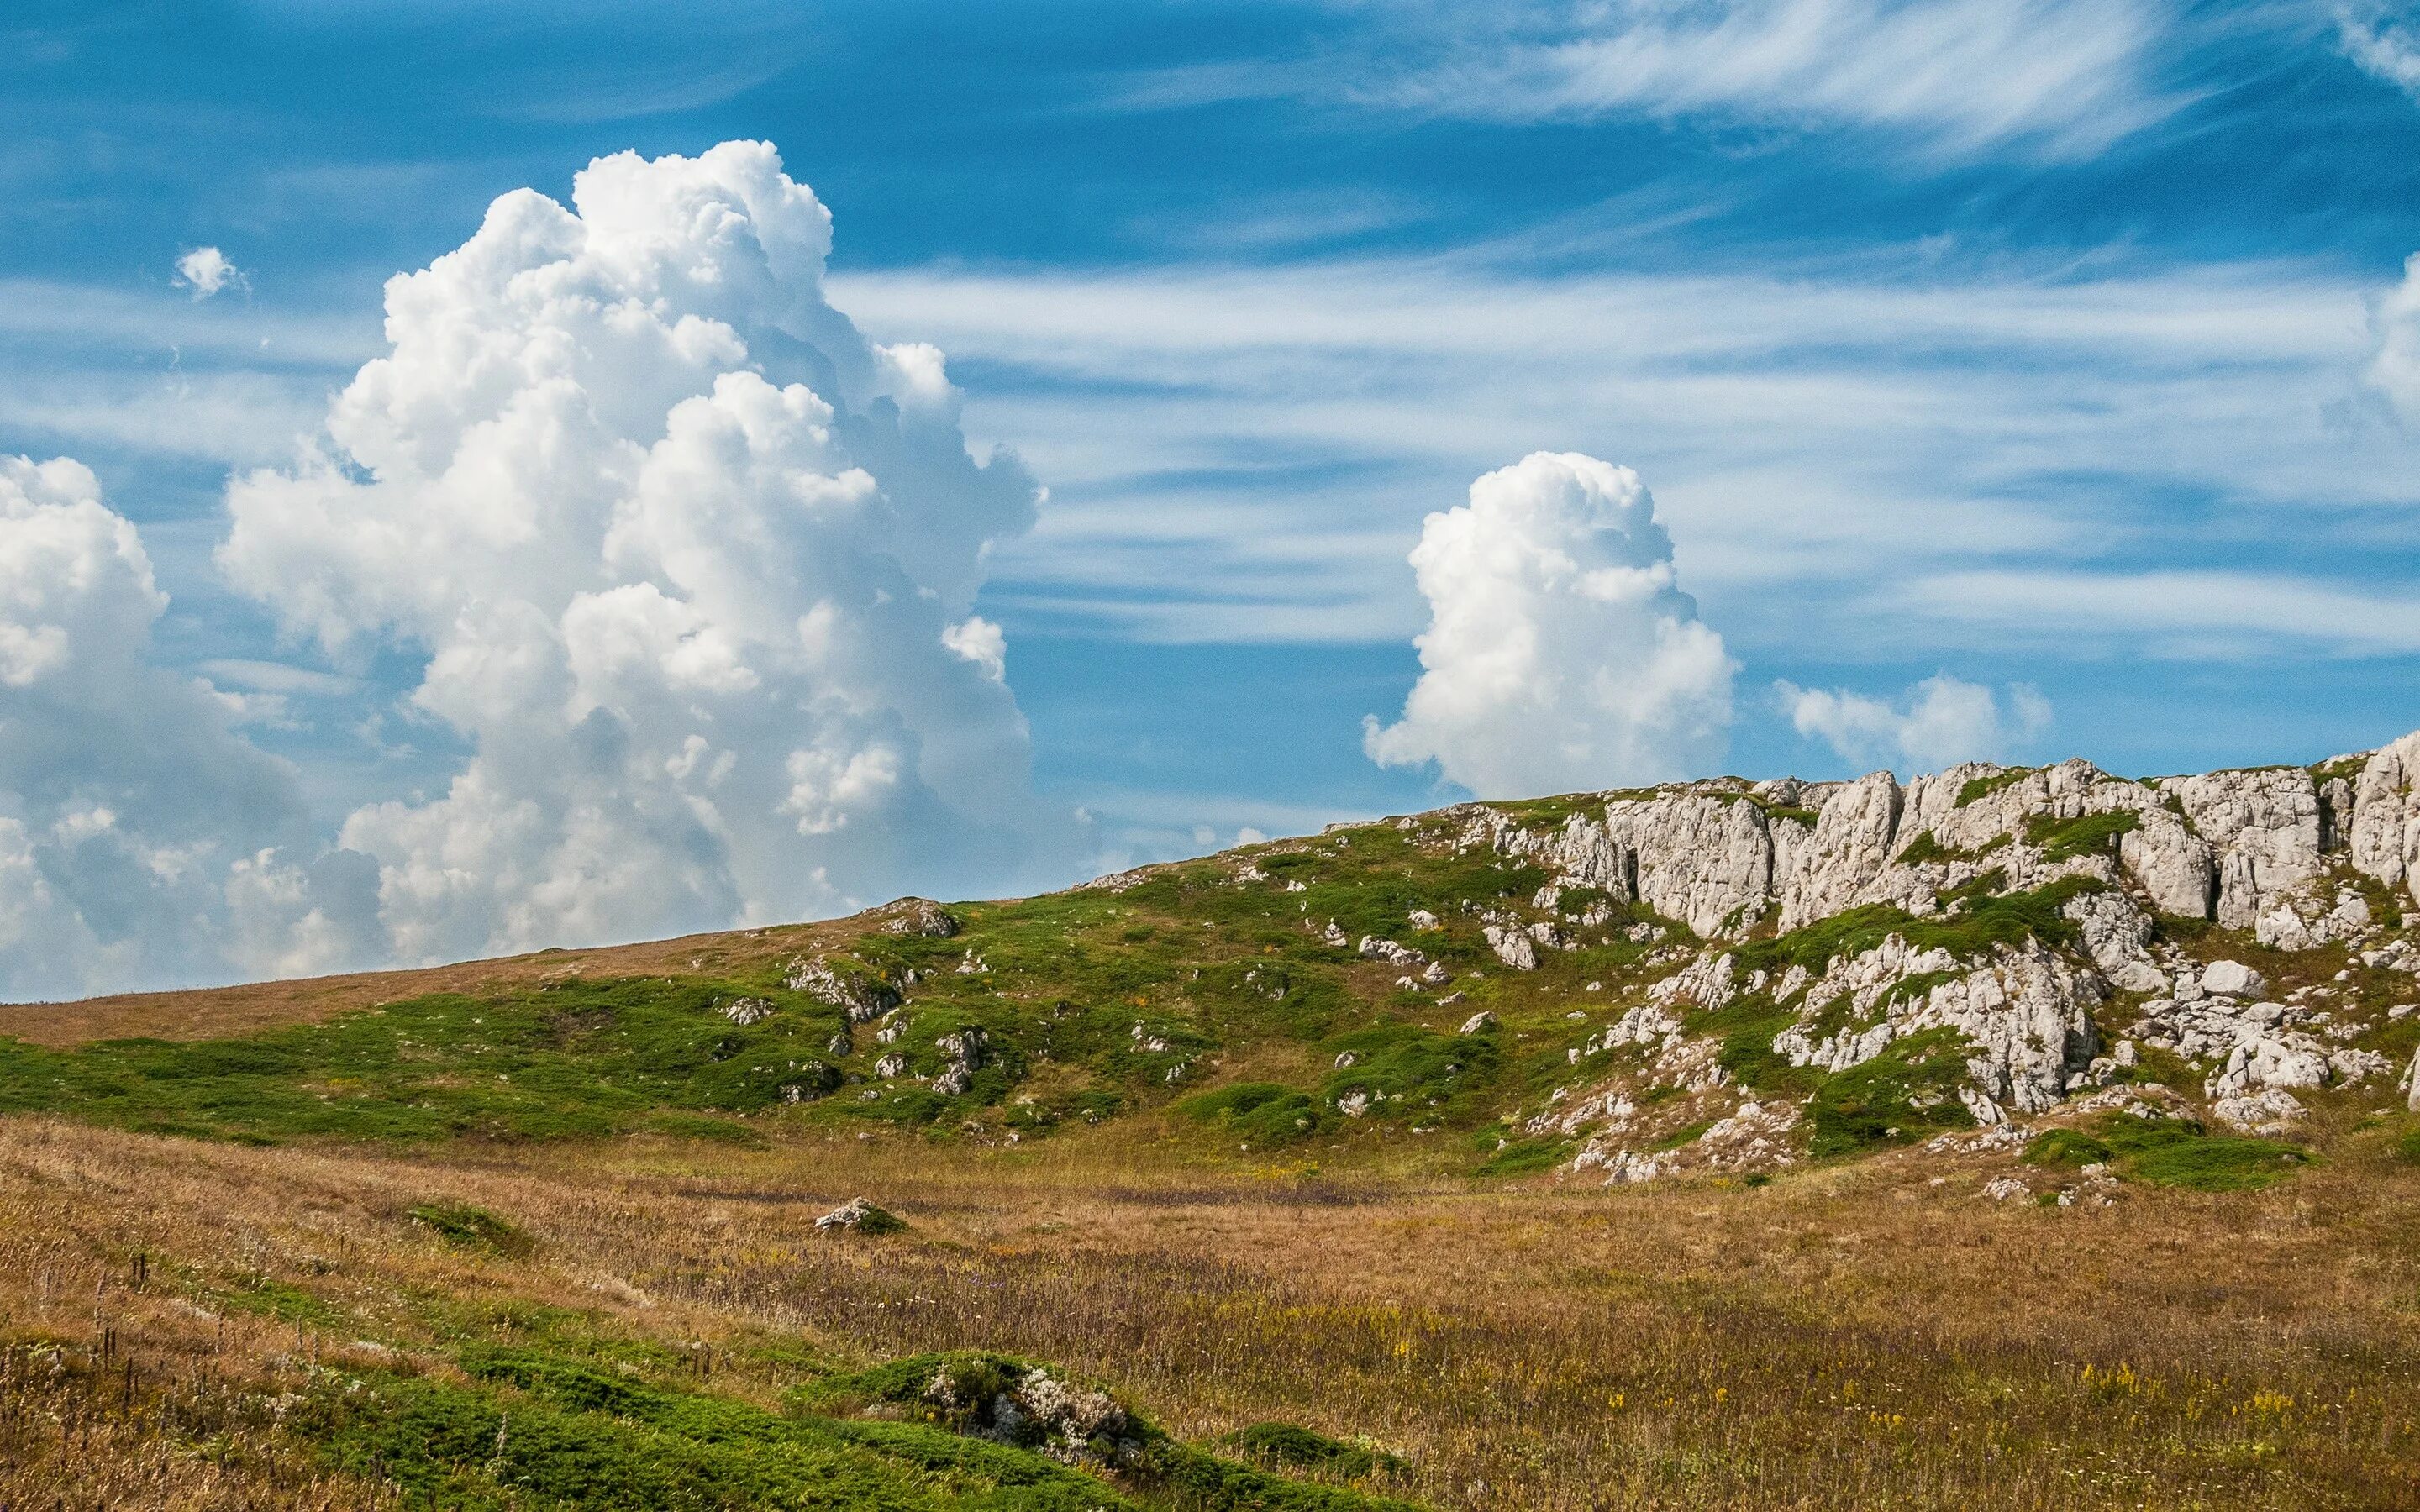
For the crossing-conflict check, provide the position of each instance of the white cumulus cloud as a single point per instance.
(2395, 367)
(1934, 723)
(143, 843)
(2384, 44)
(1560, 653)
(205, 271)
(692, 564)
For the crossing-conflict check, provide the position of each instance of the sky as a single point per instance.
(1081, 434)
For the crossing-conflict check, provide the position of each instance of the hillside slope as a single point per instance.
(1718, 975)
(2014, 1139)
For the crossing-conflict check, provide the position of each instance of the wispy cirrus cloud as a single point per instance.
(1244, 455)
(1953, 77)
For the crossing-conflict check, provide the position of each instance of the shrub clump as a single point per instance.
(2179, 1152)
(1299, 1448)
(473, 1228)
(1263, 1115)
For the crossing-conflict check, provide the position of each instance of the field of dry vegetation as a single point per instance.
(539, 1235)
(1852, 1337)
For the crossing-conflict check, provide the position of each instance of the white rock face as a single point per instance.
(2383, 838)
(2170, 863)
(2232, 978)
(2114, 931)
(2265, 826)
(2310, 916)
(2026, 1011)
(1701, 860)
(1851, 847)
(2029, 1015)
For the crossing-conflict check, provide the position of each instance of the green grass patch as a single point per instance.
(2179, 1152)
(1263, 1115)
(1406, 1071)
(1907, 1092)
(2093, 834)
(533, 1432)
(1521, 1157)
(1927, 847)
(473, 1228)
(1983, 787)
(2066, 1146)
(1289, 1447)
(1989, 918)
(1686, 1134)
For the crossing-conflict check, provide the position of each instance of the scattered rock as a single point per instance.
(862, 997)
(861, 1216)
(1375, 948)
(2272, 1110)
(1514, 948)
(1478, 1023)
(919, 917)
(747, 1010)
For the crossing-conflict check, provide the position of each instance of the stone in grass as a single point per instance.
(864, 1216)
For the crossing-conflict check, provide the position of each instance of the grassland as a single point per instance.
(1853, 1336)
(539, 1233)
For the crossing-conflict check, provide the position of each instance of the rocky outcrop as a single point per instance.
(2264, 827)
(2240, 847)
(2114, 932)
(861, 996)
(857, 1215)
(1703, 860)
(920, 918)
(1851, 845)
(2025, 1013)
(2383, 838)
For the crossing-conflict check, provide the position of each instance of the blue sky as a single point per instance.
(2027, 344)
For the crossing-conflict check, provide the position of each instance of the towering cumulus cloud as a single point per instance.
(692, 564)
(1561, 654)
(140, 835)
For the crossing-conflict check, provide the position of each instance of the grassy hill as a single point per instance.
(1293, 1219)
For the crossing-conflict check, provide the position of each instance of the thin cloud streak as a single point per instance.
(1819, 433)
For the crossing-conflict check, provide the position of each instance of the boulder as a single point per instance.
(857, 1215)
(2116, 931)
(2232, 978)
(1513, 947)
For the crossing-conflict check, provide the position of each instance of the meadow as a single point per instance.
(185, 1320)
(540, 1233)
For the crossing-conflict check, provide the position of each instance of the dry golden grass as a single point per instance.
(210, 1012)
(1853, 1337)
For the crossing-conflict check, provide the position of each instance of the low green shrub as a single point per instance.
(1298, 1448)
(473, 1229)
